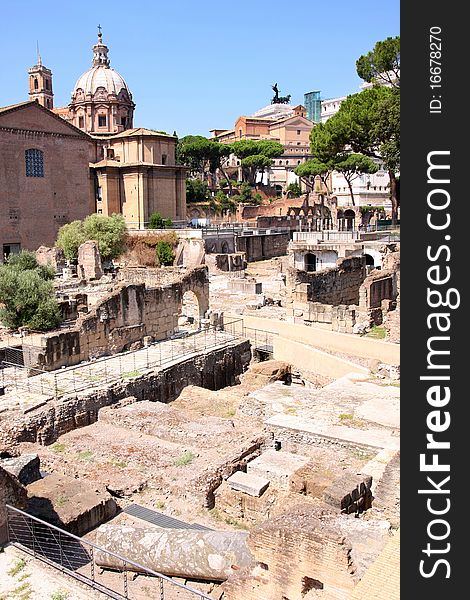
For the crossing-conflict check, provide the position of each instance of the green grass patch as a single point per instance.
(159, 504)
(120, 464)
(61, 500)
(59, 595)
(185, 459)
(22, 592)
(19, 565)
(58, 447)
(346, 417)
(221, 516)
(86, 455)
(129, 374)
(377, 332)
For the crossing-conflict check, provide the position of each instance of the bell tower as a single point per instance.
(40, 84)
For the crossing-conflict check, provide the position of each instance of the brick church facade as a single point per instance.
(61, 164)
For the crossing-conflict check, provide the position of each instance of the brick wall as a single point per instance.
(339, 285)
(258, 247)
(123, 317)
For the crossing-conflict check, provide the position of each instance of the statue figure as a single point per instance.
(275, 99)
(279, 99)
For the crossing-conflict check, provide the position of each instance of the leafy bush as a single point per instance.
(109, 232)
(165, 254)
(294, 189)
(70, 237)
(156, 221)
(27, 294)
(196, 190)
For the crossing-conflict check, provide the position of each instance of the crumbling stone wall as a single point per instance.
(258, 247)
(218, 263)
(212, 370)
(89, 261)
(51, 256)
(339, 285)
(122, 318)
(13, 493)
(296, 552)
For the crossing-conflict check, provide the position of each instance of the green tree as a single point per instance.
(351, 166)
(294, 189)
(109, 232)
(369, 123)
(156, 221)
(382, 64)
(164, 253)
(70, 237)
(310, 169)
(27, 294)
(196, 190)
(256, 155)
(253, 164)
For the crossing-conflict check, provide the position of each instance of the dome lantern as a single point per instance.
(101, 102)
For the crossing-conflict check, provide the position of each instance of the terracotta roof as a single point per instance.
(139, 131)
(20, 105)
(14, 106)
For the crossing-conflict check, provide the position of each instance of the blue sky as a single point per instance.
(195, 65)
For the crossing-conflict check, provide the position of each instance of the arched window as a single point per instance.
(36, 85)
(34, 160)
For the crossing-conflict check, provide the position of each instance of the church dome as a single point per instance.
(101, 102)
(101, 76)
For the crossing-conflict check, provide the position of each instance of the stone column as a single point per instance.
(191, 553)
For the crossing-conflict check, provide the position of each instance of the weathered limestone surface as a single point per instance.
(350, 494)
(25, 467)
(211, 555)
(308, 551)
(89, 261)
(265, 372)
(13, 493)
(276, 466)
(212, 370)
(70, 503)
(122, 318)
(248, 483)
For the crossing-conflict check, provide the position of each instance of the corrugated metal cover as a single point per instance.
(161, 520)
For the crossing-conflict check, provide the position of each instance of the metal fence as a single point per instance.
(75, 556)
(16, 375)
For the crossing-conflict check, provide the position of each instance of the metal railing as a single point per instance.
(108, 369)
(75, 556)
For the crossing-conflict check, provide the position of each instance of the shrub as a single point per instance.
(27, 294)
(185, 459)
(196, 190)
(164, 253)
(294, 189)
(69, 238)
(109, 232)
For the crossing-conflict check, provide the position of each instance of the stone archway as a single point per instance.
(350, 219)
(189, 317)
(310, 262)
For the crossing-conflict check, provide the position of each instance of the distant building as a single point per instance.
(312, 103)
(279, 122)
(44, 175)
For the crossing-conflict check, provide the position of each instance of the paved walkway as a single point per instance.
(28, 392)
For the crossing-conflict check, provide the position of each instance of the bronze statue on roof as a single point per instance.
(279, 99)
